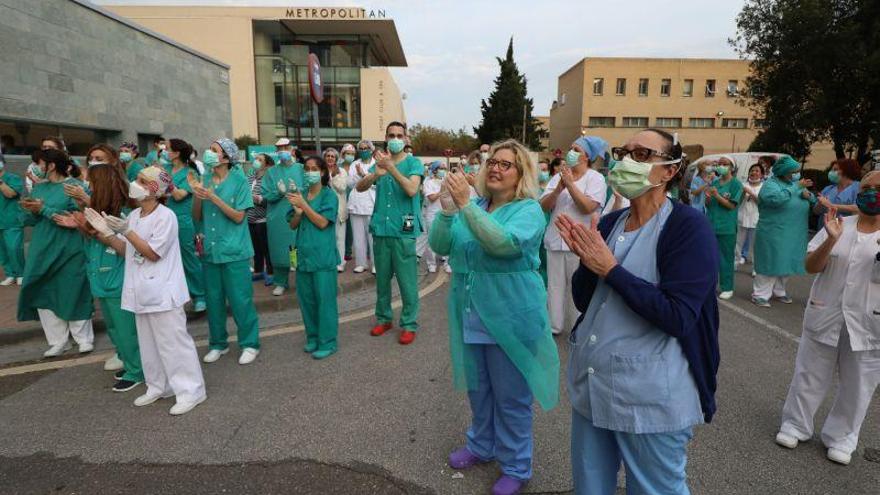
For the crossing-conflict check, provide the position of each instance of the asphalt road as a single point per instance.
(381, 418)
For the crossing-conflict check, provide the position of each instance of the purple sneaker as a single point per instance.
(464, 459)
(507, 486)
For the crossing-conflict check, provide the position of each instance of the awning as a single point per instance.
(382, 33)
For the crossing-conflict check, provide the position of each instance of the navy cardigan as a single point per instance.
(683, 303)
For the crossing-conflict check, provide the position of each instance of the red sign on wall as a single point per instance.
(315, 86)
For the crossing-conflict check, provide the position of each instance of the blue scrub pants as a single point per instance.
(501, 405)
(654, 462)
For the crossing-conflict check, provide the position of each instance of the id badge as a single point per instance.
(409, 223)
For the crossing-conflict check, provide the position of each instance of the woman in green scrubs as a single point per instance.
(220, 202)
(182, 168)
(285, 176)
(106, 265)
(722, 205)
(11, 239)
(128, 155)
(55, 288)
(314, 218)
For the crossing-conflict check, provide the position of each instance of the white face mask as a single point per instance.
(137, 192)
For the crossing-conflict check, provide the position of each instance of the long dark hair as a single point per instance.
(64, 166)
(325, 170)
(186, 152)
(109, 184)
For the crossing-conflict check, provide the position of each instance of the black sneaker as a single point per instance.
(125, 385)
(118, 375)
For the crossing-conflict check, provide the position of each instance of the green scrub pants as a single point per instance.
(12, 252)
(316, 292)
(231, 281)
(122, 330)
(727, 250)
(395, 256)
(192, 265)
(281, 276)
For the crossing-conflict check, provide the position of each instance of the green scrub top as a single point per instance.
(722, 219)
(55, 271)
(106, 269)
(492, 285)
(225, 240)
(182, 208)
(281, 237)
(781, 234)
(316, 248)
(134, 168)
(10, 212)
(392, 203)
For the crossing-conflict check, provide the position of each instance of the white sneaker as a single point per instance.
(432, 268)
(340, 268)
(113, 364)
(359, 269)
(447, 268)
(839, 456)
(786, 440)
(213, 355)
(740, 261)
(373, 269)
(57, 350)
(86, 348)
(19, 280)
(726, 294)
(7, 281)
(185, 407)
(148, 398)
(248, 355)
(278, 291)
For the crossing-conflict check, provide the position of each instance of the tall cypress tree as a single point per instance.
(503, 113)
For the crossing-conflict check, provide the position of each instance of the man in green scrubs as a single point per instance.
(11, 240)
(722, 206)
(395, 225)
(284, 177)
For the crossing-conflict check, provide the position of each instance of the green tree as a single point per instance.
(430, 140)
(503, 113)
(814, 69)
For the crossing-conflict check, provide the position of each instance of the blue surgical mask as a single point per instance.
(795, 176)
(284, 156)
(543, 176)
(572, 158)
(256, 165)
(834, 176)
(395, 145)
(311, 178)
(210, 158)
(722, 170)
(125, 156)
(441, 174)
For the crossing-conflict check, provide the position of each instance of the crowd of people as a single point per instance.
(610, 245)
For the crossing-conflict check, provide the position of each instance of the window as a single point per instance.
(621, 87)
(710, 88)
(759, 123)
(732, 88)
(598, 86)
(703, 123)
(734, 123)
(635, 122)
(601, 121)
(665, 87)
(687, 88)
(668, 122)
(23, 138)
(643, 87)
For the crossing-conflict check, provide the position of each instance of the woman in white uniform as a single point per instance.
(155, 290)
(841, 329)
(360, 206)
(339, 184)
(431, 191)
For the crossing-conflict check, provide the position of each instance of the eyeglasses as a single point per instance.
(502, 165)
(639, 153)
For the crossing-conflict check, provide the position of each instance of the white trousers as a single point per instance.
(362, 241)
(423, 249)
(340, 241)
(561, 265)
(168, 353)
(58, 330)
(813, 375)
(766, 286)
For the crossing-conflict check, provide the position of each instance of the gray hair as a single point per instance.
(367, 143)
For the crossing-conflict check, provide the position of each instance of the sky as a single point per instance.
(451, 45)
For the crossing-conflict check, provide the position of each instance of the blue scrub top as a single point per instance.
(837, 197)
(698, 201)
(624, 373)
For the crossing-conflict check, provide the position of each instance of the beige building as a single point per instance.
(697, 98)
(267, 50)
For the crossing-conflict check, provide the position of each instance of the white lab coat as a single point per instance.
(841, 331)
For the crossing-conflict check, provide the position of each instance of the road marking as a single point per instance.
(761, 321)
(94, 358)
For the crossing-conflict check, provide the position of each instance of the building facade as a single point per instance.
(267, 49)
(58, 77)
(700, 99)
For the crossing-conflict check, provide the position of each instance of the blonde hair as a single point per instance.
(528, 171)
